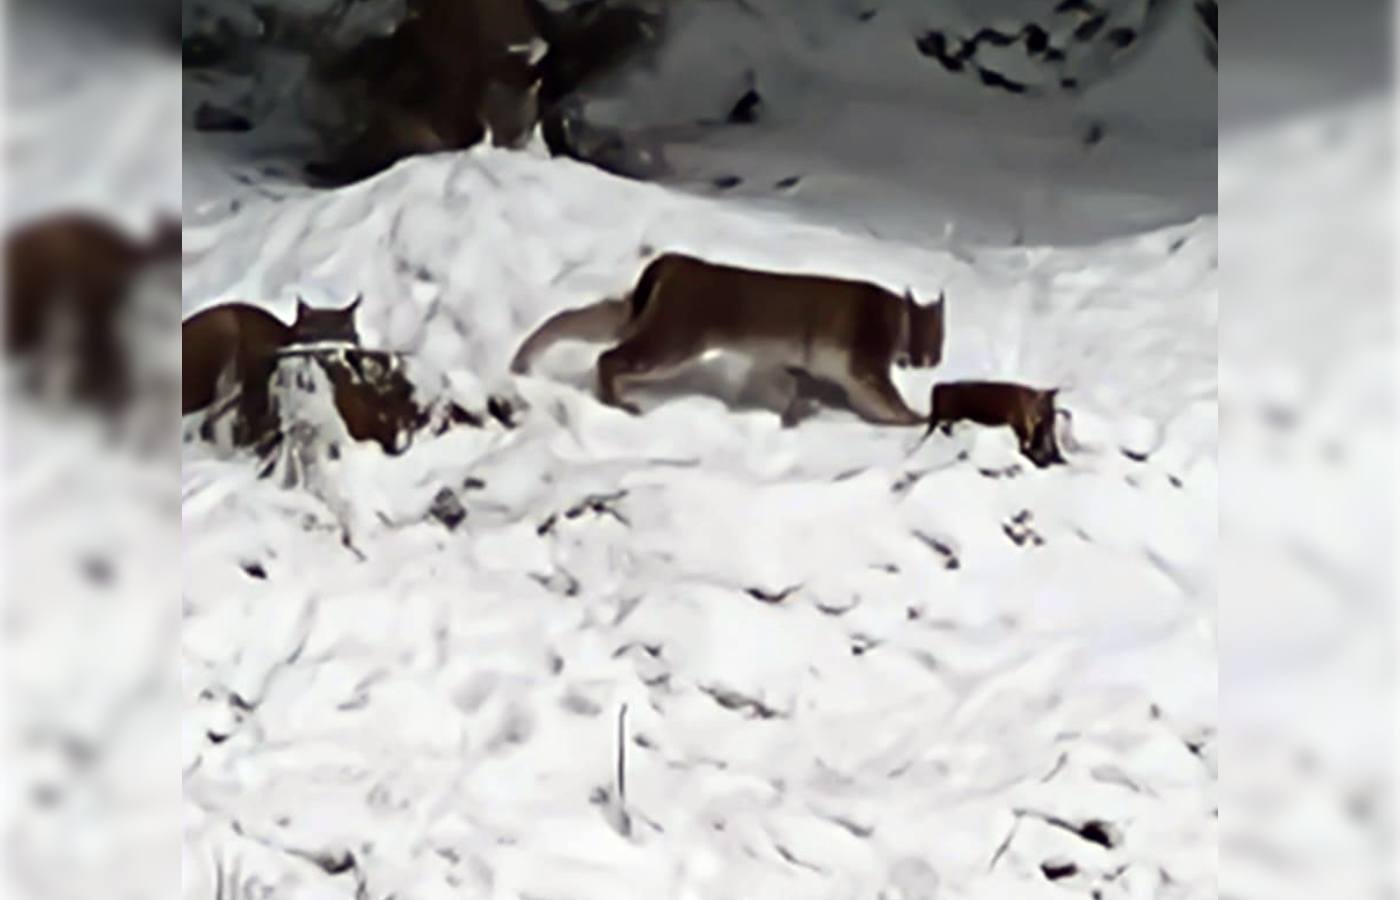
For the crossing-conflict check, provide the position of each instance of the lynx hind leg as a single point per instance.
(638, 359)
(779, 389)
(875, 398)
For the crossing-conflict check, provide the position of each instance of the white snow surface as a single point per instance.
(970, 658)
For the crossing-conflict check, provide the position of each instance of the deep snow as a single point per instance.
(970, 660)
(853, 665)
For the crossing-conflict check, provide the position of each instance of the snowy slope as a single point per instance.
(444, 710)
(879, 135)
(853, 665)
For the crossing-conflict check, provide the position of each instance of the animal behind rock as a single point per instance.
(239, 343)
(847, 333)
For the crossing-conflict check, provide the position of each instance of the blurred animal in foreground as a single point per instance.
(1030, 412)
(846, 333)
(72, 275)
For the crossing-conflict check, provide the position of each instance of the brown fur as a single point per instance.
(845, 332)
(245, 340)
(1030, 412)
(374, 406)
(76, 264)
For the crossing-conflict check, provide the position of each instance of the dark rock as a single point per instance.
(208, 117)
(447, 508)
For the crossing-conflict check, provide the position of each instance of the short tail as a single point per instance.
(598, 322)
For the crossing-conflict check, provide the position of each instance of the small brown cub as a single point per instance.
(1029, 411)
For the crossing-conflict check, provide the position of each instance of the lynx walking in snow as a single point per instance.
(848, 333)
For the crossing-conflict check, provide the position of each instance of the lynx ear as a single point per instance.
(942, 299)
(355, 304)
(302, 308)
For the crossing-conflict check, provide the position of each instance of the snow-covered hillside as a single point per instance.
(966, 651)
(852, 665)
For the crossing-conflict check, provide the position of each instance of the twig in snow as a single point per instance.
(615, 805)
(1006, 842)
(771, 596)
(622, 756)
(1055, 770)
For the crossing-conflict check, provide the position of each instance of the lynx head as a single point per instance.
(925, 342)
(1039, 432)
(314, 324)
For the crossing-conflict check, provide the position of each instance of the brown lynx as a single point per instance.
(847, 333)
(80, 265)
(243, 341)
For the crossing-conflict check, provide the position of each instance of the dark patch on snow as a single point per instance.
(791, 181)
(942, 548)
(1020, 532)
(208, 117)
(745, 109)
(98, 570)
(1090, 28)
(725, 182)
(447, 508)
(502, 410)
(1098, 832)
(254, 570)
(935, 45)
(998, 80)
(771, 596)
(1121, 37)
(1037, 39)
(749, 706)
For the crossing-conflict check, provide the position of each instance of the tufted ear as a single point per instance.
(302, 308)
(941, 298)
(355, 304)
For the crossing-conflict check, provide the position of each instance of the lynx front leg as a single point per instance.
(875, 398)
